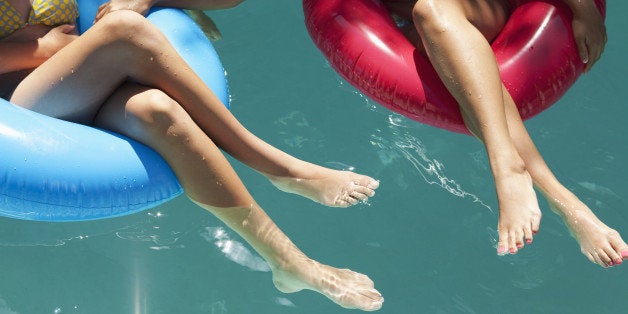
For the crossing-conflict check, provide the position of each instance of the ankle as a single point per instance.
(506, 167)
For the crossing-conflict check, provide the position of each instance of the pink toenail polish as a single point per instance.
(610, 263)
(501, 250)
(513, 251)
(618, 262)
(528, 241)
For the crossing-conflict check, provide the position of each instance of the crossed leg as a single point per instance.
(126, 47)
(114, 62)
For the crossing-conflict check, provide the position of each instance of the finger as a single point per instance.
(599, 49)
(583, 52)
(66, 28)
(103, 9)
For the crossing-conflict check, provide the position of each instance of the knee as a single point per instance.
(429, 14)
(156, 111)
(129, 25)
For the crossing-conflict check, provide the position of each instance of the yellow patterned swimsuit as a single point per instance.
(47, 12)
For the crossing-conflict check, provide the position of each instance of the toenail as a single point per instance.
(528, 241)
(513, 251)
(501, 250)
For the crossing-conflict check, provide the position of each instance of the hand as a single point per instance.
(589, 32)
(58, 37)
(139, 6)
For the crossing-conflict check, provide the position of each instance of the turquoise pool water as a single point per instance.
(426, 239)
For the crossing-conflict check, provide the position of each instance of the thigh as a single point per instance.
(488, 16)
(74, 82)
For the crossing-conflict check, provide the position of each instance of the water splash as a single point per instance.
(164, 240)
(400, 143)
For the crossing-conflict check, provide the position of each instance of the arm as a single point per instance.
(589, 30)
(30, 47)
(15, 56)
(142, 6)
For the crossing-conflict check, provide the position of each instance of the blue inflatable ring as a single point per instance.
(53, 170)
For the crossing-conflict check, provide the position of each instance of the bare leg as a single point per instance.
(150, 116)
(123, 45)
(96, 68)
(465, 62)
(598, 242)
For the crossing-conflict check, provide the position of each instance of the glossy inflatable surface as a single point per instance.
(54, 170)
(535, 51)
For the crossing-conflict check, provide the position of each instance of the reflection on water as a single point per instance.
(234, 250)
(296, 132)
(4, 307)
(284, 301)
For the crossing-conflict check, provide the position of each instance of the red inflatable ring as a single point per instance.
(535, 51)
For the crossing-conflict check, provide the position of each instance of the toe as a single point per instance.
(361, 197)
(604, 257)
(373, 184)
(502, 245)
(366, 181)
(519, 239)
(613, 257)
(596, 259)
(512, 243)
(363, 189)
(351, 200)
(536, 224)
(528, 234)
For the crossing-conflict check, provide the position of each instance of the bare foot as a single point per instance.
(599, 243)
(345, 287)
(329, 187)
(519, 213)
